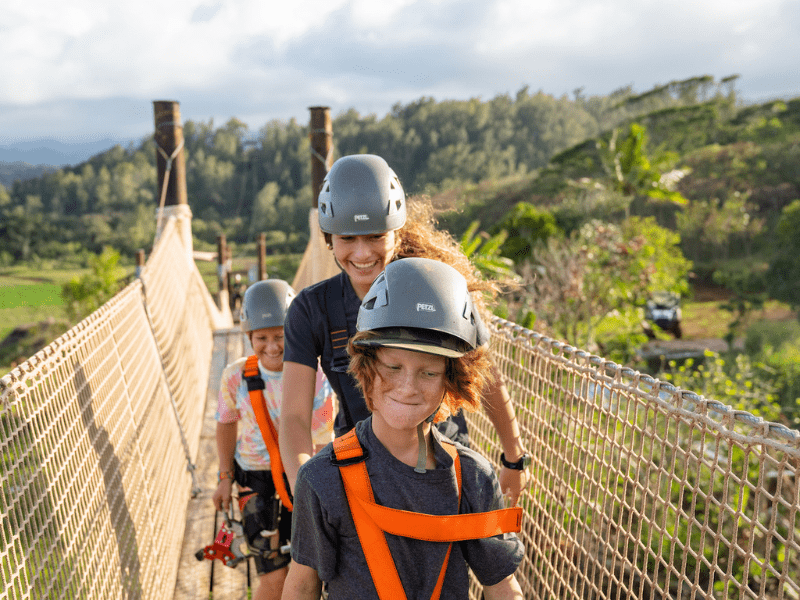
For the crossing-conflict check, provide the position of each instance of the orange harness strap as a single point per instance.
(372, 520)
(251, 373)
(444, 528)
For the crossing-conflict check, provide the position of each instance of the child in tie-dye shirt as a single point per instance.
(243, 455)
(234, 406)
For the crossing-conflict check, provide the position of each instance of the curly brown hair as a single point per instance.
(465, 377)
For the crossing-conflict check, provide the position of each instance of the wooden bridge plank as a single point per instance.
(195, 577)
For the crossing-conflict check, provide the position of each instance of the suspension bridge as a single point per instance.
(108, 462)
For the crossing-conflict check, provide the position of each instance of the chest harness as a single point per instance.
(372, 520)
(339, 332)
(255, 387)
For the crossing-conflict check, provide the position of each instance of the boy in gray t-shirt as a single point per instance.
(416, 360)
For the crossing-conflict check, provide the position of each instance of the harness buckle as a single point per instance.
(340, 364)
(254, 382)
(353, 460)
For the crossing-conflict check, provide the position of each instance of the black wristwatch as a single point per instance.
(523, 463)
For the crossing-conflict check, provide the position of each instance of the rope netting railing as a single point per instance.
(640, 489)
(97, 435)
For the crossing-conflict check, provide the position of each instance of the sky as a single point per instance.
(85, 72)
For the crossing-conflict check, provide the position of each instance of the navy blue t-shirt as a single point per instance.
(324, 536)
(307, 338)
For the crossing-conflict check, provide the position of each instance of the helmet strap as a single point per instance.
(336, 260)
(422, 456)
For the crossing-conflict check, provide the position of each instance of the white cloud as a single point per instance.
(257, 57)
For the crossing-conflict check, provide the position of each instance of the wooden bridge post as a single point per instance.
(171, 169)
(317, 263)
(262, 256)
(321, 148)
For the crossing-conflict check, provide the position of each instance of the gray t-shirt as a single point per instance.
(324, 535)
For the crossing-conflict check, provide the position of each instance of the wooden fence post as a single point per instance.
(317, 263)
(140, 262)
(262, 256)
(169, 153)
(223, 298)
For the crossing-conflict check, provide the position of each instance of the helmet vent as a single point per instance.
(468, 314)
(369, 304)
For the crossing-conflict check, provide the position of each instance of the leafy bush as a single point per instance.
(525, 225)
(770, 334)
(777, 344)
(87, 293)
(740, 383)
(783, 277)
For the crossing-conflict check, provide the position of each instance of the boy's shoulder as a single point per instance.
(234, 369)
(319, 471)
(473, 462)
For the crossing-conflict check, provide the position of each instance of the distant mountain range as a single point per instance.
(28, 159)
(11, 172)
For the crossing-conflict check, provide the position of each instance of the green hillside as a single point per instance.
(590, 203)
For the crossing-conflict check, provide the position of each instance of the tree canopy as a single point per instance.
(242, 182)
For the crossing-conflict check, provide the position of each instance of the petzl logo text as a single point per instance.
(425, 307)
(361, 217)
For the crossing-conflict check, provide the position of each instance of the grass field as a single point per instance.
(29, 295)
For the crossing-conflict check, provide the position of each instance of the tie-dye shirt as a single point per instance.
(234, 405)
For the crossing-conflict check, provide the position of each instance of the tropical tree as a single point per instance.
(631, 170)
(783, 276)
(483, 251)
(572, 284)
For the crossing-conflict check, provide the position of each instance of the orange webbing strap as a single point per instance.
(451, 450)
(372, 519)
(444, 528)
(268, 432)
(356, 484)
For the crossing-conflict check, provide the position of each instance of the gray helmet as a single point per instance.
(361, 195)
(420, 304)
(265, 304)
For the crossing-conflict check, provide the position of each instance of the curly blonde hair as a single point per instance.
(465, 377)
(419, 237)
